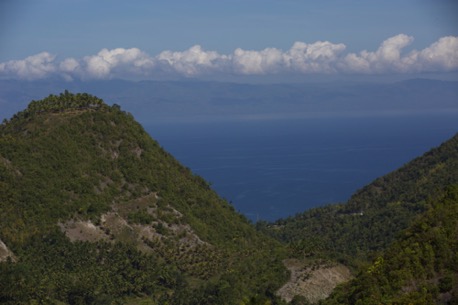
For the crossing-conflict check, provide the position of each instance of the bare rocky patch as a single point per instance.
(160, 224)
(151, 226)
(314, 282)
(78, 230)
(8, 164)
(5, 252)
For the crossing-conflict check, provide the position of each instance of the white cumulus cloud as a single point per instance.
(387, 58)
(321, 57)
(191, 62)
(118, 62)
(36, 66)
(441, 55)
(318, 57)
(269, 60)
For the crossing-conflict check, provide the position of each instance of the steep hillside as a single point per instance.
(95, 211)
(370, 221)
(420, 267)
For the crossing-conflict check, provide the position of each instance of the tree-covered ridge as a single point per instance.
(372, 218)
(420, 267)
(165, 236)
(65, 101)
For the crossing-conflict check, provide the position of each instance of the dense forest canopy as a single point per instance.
(420, 267)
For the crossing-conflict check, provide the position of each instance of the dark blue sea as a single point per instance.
(271, 169)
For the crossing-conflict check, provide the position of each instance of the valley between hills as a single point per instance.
(95, 211)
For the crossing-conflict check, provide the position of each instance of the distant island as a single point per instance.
(175, 101)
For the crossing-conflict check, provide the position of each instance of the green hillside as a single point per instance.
(420, 267)
(95, 212)
(370, 221)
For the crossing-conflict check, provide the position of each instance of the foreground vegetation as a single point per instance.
(420, 267)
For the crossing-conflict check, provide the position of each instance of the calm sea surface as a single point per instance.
(272, 169)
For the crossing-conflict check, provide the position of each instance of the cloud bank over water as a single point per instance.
(321, 57)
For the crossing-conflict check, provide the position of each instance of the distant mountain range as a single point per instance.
(195, 100)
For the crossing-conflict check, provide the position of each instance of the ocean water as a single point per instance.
(271, 169)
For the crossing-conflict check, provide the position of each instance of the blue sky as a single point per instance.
(99, 39)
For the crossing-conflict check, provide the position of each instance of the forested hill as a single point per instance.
(94, 211)
(372, 218)
(420, 267)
